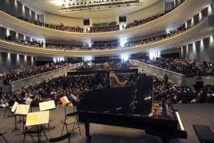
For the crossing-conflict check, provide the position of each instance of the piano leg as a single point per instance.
(165, 140)
(87, 129)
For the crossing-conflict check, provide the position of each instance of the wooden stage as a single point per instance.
(190, 114)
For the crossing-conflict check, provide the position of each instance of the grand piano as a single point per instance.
(133, 107)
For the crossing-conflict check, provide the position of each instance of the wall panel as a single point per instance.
(68, 21)
(10, 61)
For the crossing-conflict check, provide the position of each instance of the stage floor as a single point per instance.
(190, 114)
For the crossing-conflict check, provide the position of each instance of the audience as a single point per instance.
(32, 43)
(114, 45)
(73, 86)
(114, 65)
(18, 74)
(104, 29)
(177, 94)
(143, 21)
(92, 29)
(184, 66)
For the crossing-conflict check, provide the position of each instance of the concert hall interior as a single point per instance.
(102, 71)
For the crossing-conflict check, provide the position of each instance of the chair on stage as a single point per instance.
(70, 119)
(61, 138)
(2, 135)
(7, 109)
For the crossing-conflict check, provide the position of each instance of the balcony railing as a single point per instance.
(176, 40)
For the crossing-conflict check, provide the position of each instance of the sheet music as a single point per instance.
(64, 100)
(37, 118)
(13, 109)
(47, 105)
(28, 101)
(22, 109)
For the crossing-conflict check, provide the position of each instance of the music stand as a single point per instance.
(2, 135)
(65, 103)
(64, 100)
(21, 110)
(47, 105)
(38, 119)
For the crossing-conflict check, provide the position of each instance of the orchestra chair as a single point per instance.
(2, 135)
(70, 119)
(61, 138)
(7, 109)
(34, 132)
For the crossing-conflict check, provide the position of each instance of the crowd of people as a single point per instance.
(75, 85)
(82, 47)
(63, 27)
(114, 65)
(142, 21)
(104, 29)
(33, 43)
(178, 95)
(117, 45)
(187, 67)
(17, 74)
(71, 86)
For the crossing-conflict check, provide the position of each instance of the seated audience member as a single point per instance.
(201, 97)
(3, 103)
(198, 84)
(165, 79)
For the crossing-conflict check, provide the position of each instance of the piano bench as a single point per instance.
(204, 134)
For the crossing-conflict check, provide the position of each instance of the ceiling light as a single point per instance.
(96, 4)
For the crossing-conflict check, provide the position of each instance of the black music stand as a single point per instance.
(72, 115)
(2, 135)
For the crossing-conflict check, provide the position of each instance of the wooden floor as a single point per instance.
(190, 114)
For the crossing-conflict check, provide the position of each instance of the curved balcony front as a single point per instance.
(174, 18)
(193, 34)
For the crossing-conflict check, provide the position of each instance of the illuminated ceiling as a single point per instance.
(54, 7)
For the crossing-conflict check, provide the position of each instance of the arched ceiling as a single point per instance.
(50, 6)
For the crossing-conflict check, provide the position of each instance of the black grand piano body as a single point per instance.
(114, 106)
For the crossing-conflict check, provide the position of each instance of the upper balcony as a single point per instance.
(195, 33)
(172, 19)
